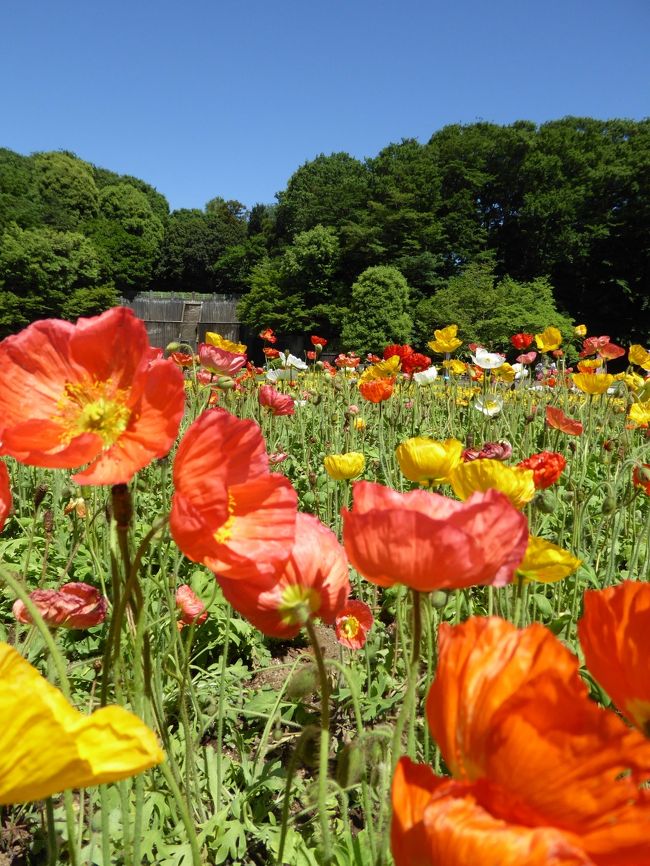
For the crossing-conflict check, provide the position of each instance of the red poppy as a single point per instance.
(591, 345)
(182, 359)
(228, 512)
(311, 356)
(415, 363)
(268, 336)
(377, 390)
(155, 352)
(278, 403)
(6, 500)
(556, 418)
(428, 541)
(400, 351)
(271, 353)
(547, 467)
(640, 477)
(541, 773)
(521, 341)
(353, 622)
(610, 351)
(74, 605)
(88, 393)
(348, 360)
(318, 341)
(191, 608)
(614, 634)
(373, 359)
(558, 353)
(313, 583)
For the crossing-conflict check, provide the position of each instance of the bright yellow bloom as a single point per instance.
(455, 367)
(549, 340)
(381, 370)
(593, 383)
(359, 424)
(632, 380)
(47, 746)
(445, 340)
(505, 372)
(428, 461)
(342, 467)
(580, 330)
(589, 365)
(639, 356)
(639, 414)
(546, 562)
(220, 342)
(517, 484)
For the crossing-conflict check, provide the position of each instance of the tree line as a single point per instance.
(486, 225)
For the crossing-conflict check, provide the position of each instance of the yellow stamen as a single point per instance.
(224, 533)
(350, 627)
(298, 604)
(93, 407)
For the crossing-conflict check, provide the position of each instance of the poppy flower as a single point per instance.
(610, 351)
(481, 475)
(353, 622)
(527, 358)
(318, 341)
(343, 361)
(377, 390)
(268, 336)
(88, 393)
(313, 583)
(219, 360)
(590, 365)
(426, 377)
(488, 360)
(181, 359)
(228, 511)
(591, 345)
(415, 363)
(382, 369)
(614, 635)
(271, 353)
(580, 330)
(278, 403)
(428, 542)
(549, 339)
(489, 405)
(428, 461)
(490, 451)
(641, 477)
(74, 605)
(445, 340)
(521, 341)
(556, 418)
(541, 774)
(213, 339)
(343, 467)
(6, 500)
(639, 355)
(593, 383)
(47, 746)
(397, 351)
(455, 366)
(547, 467)
(546, 562)
(639, 414)
(191, 608)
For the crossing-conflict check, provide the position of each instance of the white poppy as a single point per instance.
(426, 377)
(488, 360)
(490, 405)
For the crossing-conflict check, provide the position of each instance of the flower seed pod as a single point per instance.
(122, 507)
(609, 504)
(545, 502)
(40, 494)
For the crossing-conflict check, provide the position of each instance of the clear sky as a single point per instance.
(228, 97)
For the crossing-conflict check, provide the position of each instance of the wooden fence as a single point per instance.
(186, 318)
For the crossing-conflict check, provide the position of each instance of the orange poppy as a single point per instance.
(556, 418)
(228, 511)
(427, 541)
(314, 583)
(377, 390)
(535, 762)
(614, 634)
(547, 467)
(88, 393)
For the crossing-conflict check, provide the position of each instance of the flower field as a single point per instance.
(356, 611)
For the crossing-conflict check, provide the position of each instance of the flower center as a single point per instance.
(224, 533)
(93, 407)
(350, 627)
(298, 604)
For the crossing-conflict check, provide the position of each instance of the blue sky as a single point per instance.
(228, 97)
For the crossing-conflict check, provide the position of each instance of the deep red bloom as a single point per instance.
(547, 467)
(191, 608)
(228, 511)
(155, 352)
(6, 500)
(313, 583)
(415, 362)
(311, 356)
(353, 622)
(427, 541)
(556, 418)
(400, 351)
(88, 393)
(278, 403)
(74, 605)
(377, 390)
(271, 353)
(268, 336)
(521, 341)
(318, 341)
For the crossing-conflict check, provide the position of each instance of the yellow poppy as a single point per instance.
(517, 484)
(455, 367)
(549, 340)
(381, 370)
(589, 365)
(445, 340)
(639, 356)
(359, 424)
(639, 414)
(580, 330)
(632, 380)
(220, 342)
(342, 467)
(428, 461)
(505, 372)
(593, 383)
(47, 746)
(546, 562)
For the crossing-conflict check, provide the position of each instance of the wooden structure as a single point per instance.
(185, 318)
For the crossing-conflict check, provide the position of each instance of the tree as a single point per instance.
(489, 311)
(378, 312)
(269, 305)
(67, 189)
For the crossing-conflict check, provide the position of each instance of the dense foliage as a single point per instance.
(566, 203)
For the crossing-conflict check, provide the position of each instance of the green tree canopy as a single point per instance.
(378, 311)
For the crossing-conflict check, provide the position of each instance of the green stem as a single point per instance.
(185, 815)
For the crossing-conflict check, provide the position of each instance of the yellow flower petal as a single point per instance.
(445, 340)
(580, 330)
(47, 746)
(593, 383)
(546, 562)
(549, 340)
(381, 370)
(517, 484)
(640, 356)
(342, 467)
(428, 461)
(639, 414)
(220, 342)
